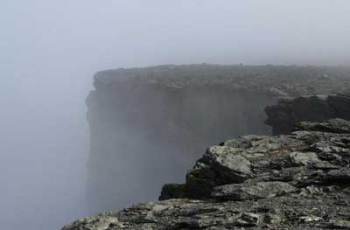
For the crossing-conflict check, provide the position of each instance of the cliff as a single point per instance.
(286, 113)
(149, 124)
(296, 181)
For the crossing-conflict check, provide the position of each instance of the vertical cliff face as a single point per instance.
(286, 113)
(149, 125)
(142, 138)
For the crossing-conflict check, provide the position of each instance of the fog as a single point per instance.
(49, 51)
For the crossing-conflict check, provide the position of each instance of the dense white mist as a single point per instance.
(49, 51)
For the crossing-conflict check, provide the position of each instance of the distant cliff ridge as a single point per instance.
(148, 125)
(296, 181)
(292, 81)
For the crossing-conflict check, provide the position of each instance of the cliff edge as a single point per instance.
(148, 125)
(296, 181)
(288, 112)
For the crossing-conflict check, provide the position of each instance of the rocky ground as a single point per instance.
(296, 181)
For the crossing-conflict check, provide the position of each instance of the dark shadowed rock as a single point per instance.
(172, 191)
(342, 175)
(288, 112)
(296, 181)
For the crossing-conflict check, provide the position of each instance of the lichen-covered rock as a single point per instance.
(252, 191)
(296, 181)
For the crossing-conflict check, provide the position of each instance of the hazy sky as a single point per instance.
(133, 33)
(49, 51)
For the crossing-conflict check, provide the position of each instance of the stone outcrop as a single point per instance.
(296, 181)
(149, 124)
(286, 113)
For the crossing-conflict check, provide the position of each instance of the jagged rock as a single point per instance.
(310, 159)
(288, 112)
(297, 181)
(101, 222)
(228, 164)
(248, 191)
(172, 191)
(331, 126)
(342, 175)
